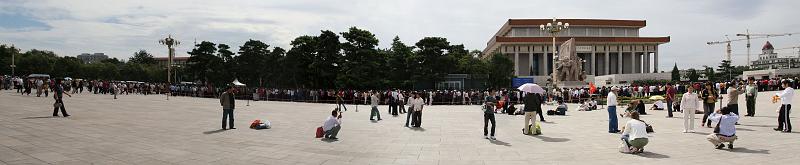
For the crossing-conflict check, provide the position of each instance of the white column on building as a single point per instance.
(543, 62)
(592, 66)
(607, 62)
(619, 61)
(516, 63)
(655, 59)
(646, 60)
(633, 59)
(530, 61)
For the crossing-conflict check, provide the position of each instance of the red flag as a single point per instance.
(592, 88)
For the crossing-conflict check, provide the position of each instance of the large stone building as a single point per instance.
(606, 46)
(768, 59)
(92, 58)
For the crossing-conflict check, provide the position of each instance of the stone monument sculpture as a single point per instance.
(569, 66)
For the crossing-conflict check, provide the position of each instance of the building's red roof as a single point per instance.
(584, 39)
(580, 22)
(767, 46)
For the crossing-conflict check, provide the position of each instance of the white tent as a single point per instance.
(237, 83)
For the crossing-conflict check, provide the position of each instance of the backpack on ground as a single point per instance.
(551, 112)
(533, 129)
(255, 124)
(264, 125)
(320, 132)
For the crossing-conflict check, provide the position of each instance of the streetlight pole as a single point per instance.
(554, 28)
(13, 53)
(170, 43)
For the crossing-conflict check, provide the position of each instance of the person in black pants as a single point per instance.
(416, 118)
(228, 103)
(784, 124)
(58, 95)
(539, 111)
(488, 115)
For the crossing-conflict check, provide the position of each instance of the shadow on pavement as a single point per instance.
(40, 117)
(215, 131)
(498, 142)
(418, 129)
(745, 150)
(743, 129)
(653, 155)
(758, 125)
(549, 139)
(329, 140)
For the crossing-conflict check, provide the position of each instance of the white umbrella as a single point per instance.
(531, 88)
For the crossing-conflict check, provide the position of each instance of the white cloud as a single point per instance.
(119, 28)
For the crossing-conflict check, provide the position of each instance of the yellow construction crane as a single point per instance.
(749, 36)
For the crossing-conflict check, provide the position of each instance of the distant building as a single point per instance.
(768, 59)
(92, 58)
(177, 61)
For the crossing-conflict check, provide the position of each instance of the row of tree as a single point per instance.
(330, 60)
(349, 59)
(724, 72)
(46, 62)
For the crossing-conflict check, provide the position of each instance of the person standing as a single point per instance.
(533, 105)
(58, 95)
(488, 116)
(401, 99)
(709, 96)
(228, 103)
(374, 103)
(611, 102)
(410, 108)
(751, 91)
(786, 96)
(417, 104)
(689, 104)
(670, 98)
(734, 90)
(340, 100)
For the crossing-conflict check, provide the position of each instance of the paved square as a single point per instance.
(138, 129)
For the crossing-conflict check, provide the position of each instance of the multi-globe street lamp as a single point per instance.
(170, 43)
(554, 28)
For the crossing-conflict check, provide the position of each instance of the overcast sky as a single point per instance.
(119, 28)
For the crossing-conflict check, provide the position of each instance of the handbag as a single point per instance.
(56, 105)
(716, 128)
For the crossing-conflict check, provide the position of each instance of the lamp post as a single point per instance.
(554, 28)
(13, 53)
(170, 43)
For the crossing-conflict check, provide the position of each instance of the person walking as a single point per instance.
(228, 103)
(340, 100)
(689, 104)
(58, 95)
(751, 91)
(784, 124)
(417, 104)
(670, 92)
(488, 116)
(374, 103)
(533, 105)
(611, 102)
(709, 96)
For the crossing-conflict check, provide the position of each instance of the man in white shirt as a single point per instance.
(727, 128)
(689, 104)
(332, 125)
(611, 102)
(786, 96)
(417, 104)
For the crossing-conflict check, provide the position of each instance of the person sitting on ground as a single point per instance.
(725, 130)
(592, 104)
(584, 106)
(634, 134)
(631, 108)
(562, 108)
(640, 108)
(658, 105)
(332, 125)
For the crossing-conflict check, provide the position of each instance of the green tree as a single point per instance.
(709, 72)
(398, 59)
(361, 67)
(692, 75)
(676, 74)
(142, 57)
(298, 62)
(204, 65)
(725, 71)
(432, 60)
(251, 61)
(327, 60)
(501, 70)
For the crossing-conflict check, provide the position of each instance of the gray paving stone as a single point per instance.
(139, 129)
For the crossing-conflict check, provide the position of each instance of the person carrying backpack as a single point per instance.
(488, 115)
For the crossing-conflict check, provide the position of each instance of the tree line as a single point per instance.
(329, 60)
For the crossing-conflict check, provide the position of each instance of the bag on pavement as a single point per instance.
(320, 132)
(255, 124)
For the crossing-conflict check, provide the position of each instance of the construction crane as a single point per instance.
(727, 43)
(749, 36)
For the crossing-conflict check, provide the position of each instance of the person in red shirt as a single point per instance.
(670, 97)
